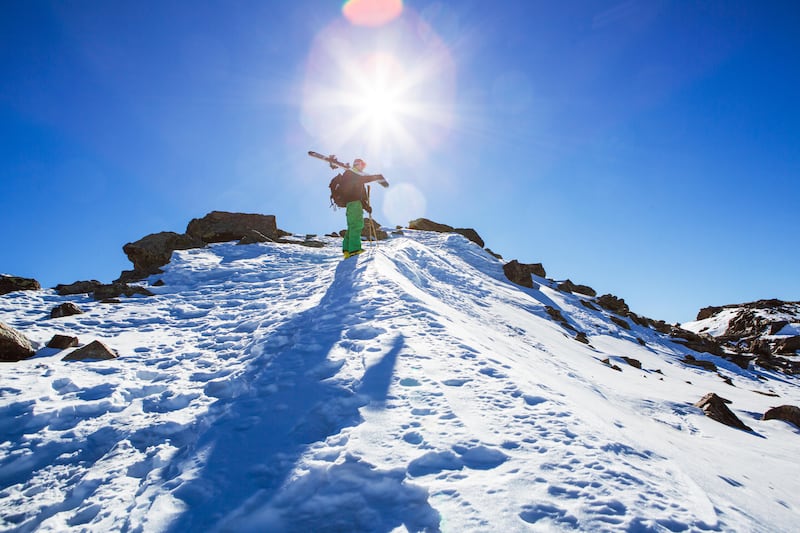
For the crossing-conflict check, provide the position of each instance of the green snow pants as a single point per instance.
(355, 225)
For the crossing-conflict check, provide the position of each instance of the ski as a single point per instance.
(335, 163)
(331, 159)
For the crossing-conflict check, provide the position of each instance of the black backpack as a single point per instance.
(337, 191)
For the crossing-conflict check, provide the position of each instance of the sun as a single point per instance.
(379, 92)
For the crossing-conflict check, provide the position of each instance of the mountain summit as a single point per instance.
(275, 387)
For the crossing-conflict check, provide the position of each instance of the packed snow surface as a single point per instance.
(275, 387)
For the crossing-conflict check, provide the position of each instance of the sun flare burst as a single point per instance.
(383, 93)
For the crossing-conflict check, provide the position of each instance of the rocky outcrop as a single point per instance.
(79, 287)
(520, 273)
(715, 407)
(115, 290)
(373, 229)
(95, 350)
(150, 253)
(15, 283)
(424, 224)
(14, 346)
(64, 310)
(613, 304)
(569, 286)
(699, 363)
(221, 226)
(62, 342)
(787, 413)
(698, 343)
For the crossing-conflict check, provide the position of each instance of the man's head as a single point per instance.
(359, 164)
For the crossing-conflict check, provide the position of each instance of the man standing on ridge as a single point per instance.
(354, 195)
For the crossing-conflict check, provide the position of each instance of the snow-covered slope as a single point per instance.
(274, 387)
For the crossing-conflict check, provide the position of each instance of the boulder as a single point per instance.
(715, 408)
(698, 343)
(471, 235)
(79, 287)
(254, 237)
(613, 304)
(369, 226)
(150, 253)
(95, 350)
(700, 363)
(621, 322)
(14, 346)
(788, 346)
(635, 363)
(423, 224)
(62, 342)
(568, 286)
(708, 312)
(221, 226)
(787, 413)
(115, 290)
(520, 273)
(65, 309)
(15, 283)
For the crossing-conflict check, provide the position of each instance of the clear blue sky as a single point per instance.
(648, 149)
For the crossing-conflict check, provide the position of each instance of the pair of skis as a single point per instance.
(335, 163)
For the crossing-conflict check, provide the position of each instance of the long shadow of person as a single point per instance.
(289, 399)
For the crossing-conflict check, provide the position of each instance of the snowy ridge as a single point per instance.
(276, 388)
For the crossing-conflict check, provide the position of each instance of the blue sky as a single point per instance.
(648, 149)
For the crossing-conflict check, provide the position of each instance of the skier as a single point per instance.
(354, 195)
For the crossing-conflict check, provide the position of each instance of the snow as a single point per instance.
(273, 387)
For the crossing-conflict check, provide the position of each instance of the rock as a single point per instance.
(471, 235)
(115, 290)
(520, 273)
(635, 363)
(371, 225)
(568, 286)
(589, 305)
(620, 322)
(62, 342)
(788, 346)
(94, 350)
(493, 254)
(698, 343)
(150, 253)
(607, 362)
(705, 365)
(581, 337)
(79, 287)
(423, 224)
(556, 315)
(780, 364)
(65, 309)
(715, 408)
(613, 304)
(708, 312)
(14, 346)
(15, 283)
(221, 226)
(254, 237)
(787, 413)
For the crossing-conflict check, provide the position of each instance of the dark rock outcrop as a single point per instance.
(700, 363)
(698, 343)
(62, 342)
(715, 408)
(115, 290)
(253, 237)
(14, 346)
(95, 350)
(613, 304)
(788, 345)
(568, 286)
(424, 224)
(16, 283)
(520, 273)
(79, 287)
(65, 309)
(221, 226)
(150, 253)
(787, 413)
(372, 230)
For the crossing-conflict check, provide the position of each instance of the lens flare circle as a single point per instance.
(372, 13)
(402, 203)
